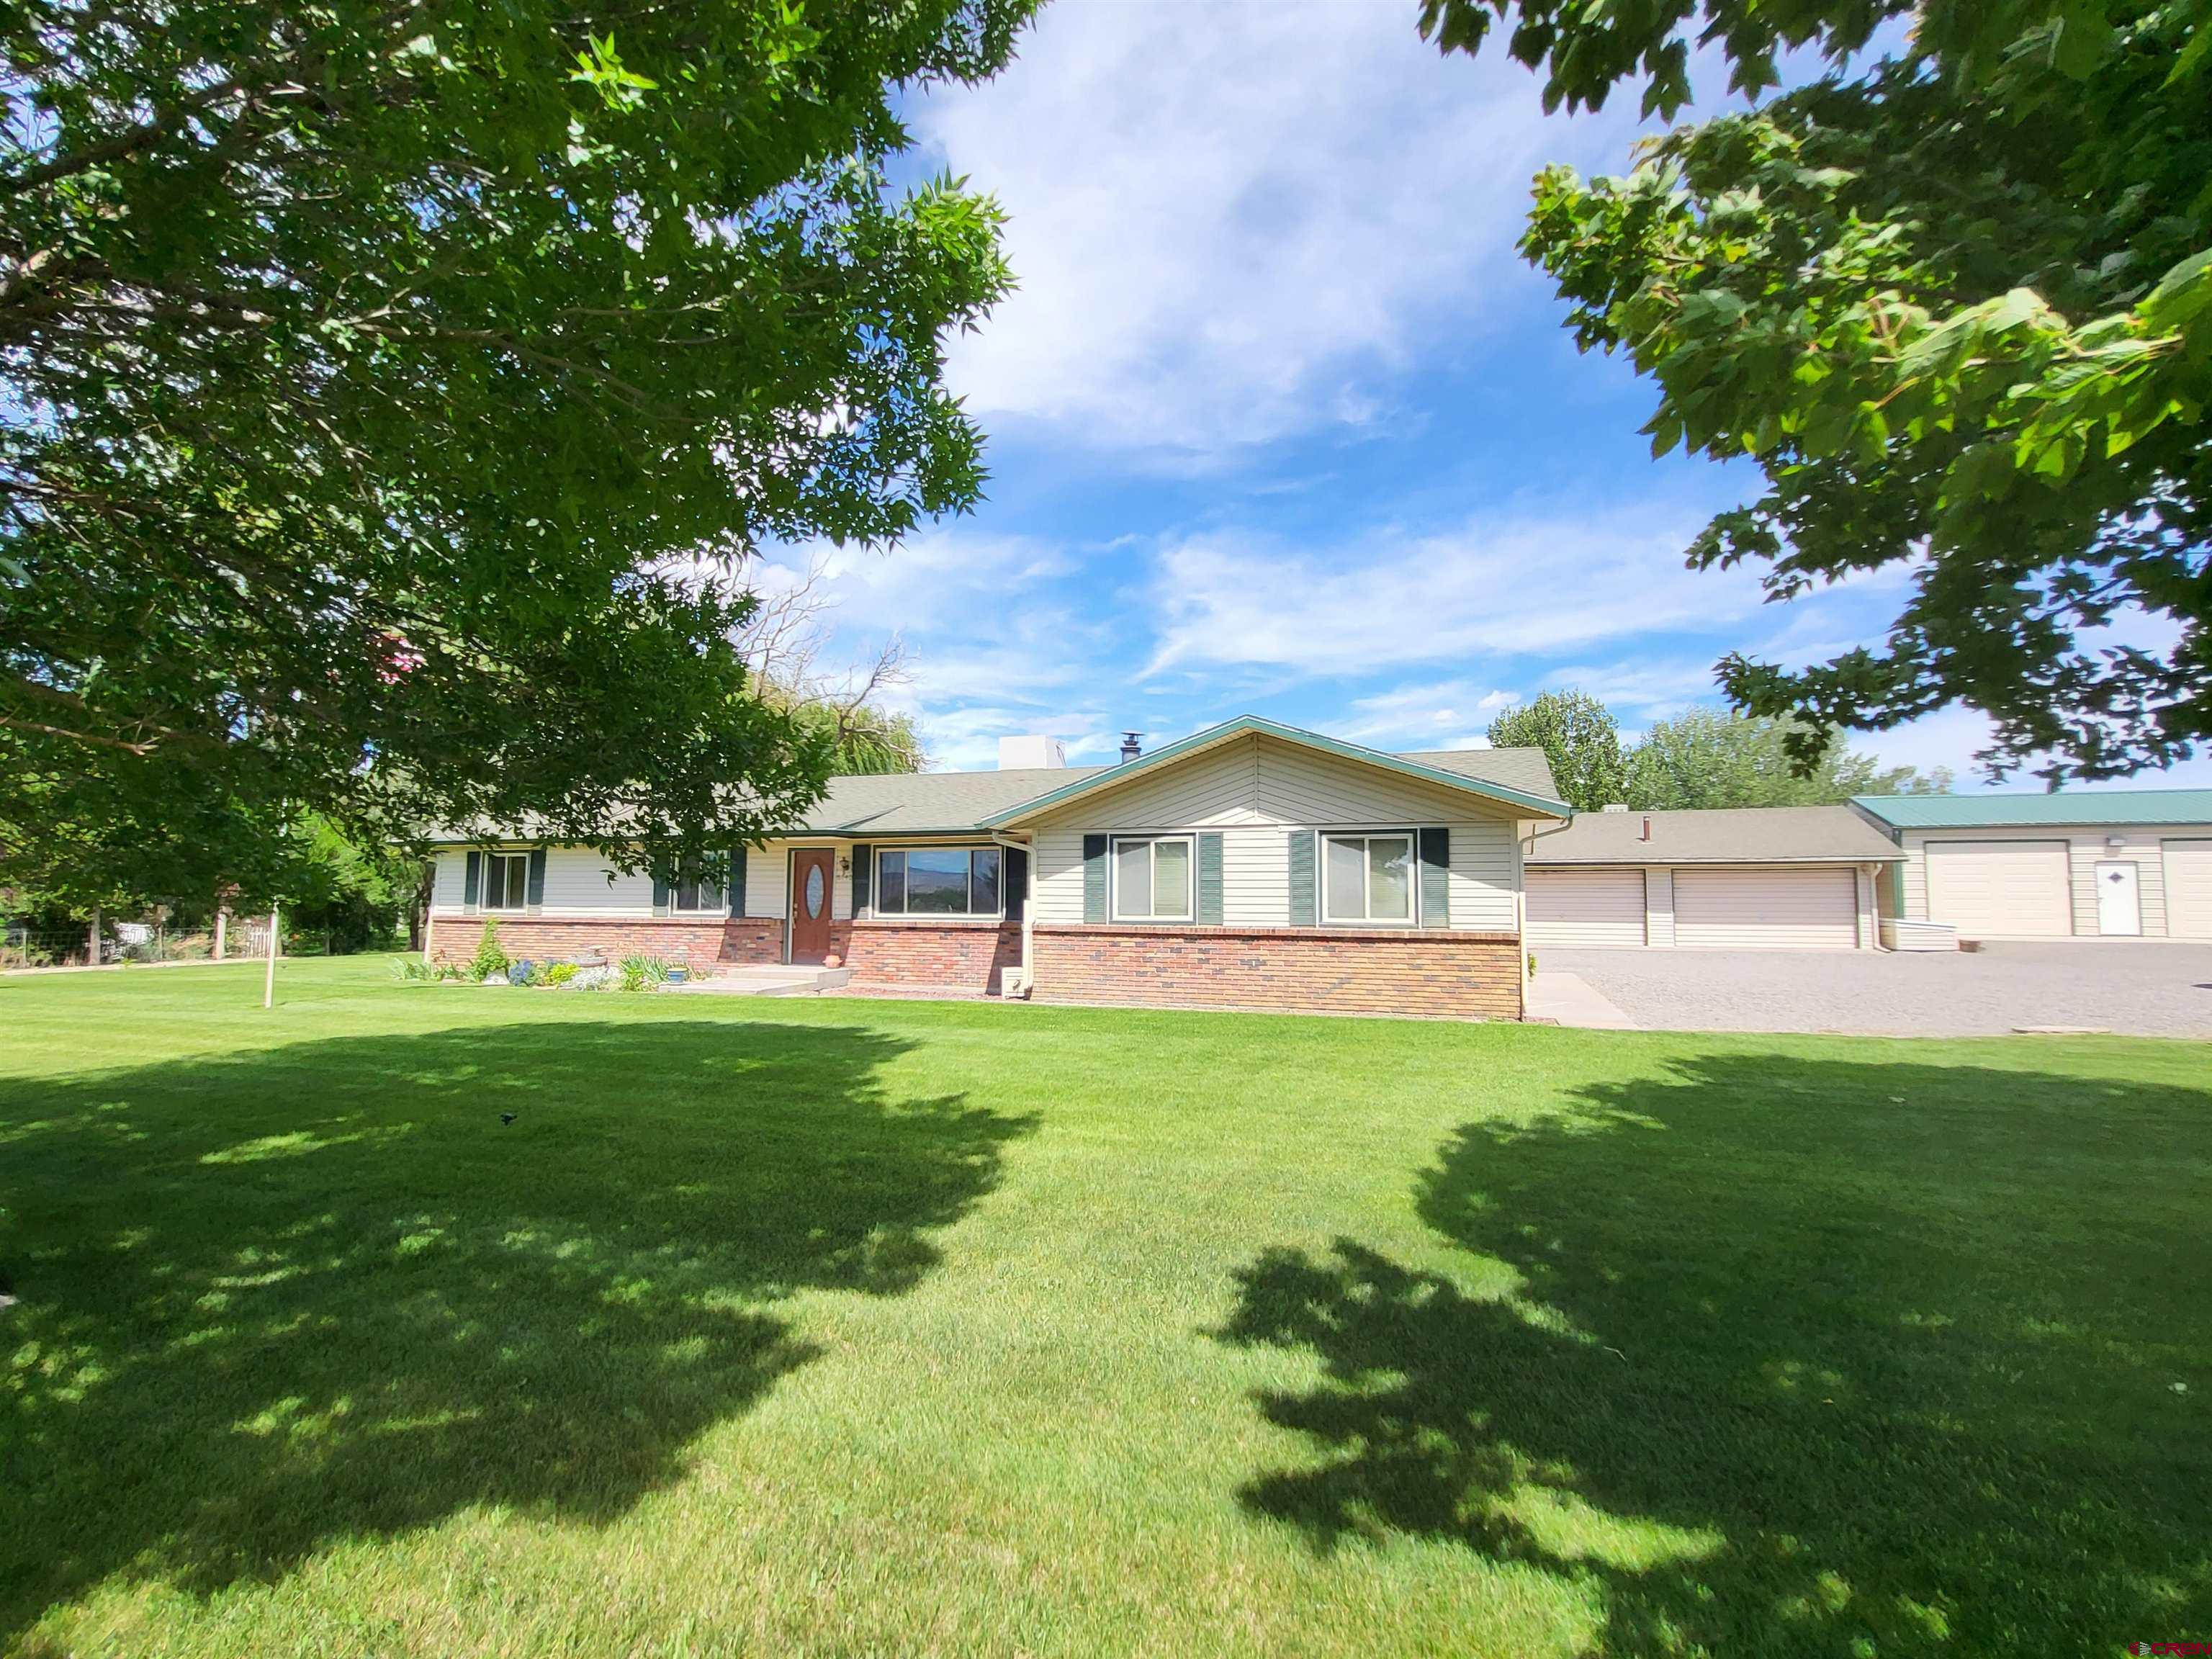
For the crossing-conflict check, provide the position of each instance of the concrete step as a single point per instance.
(768, 980)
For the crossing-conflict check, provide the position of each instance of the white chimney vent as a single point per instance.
(1027, 754)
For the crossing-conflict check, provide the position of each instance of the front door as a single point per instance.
(2119, 907)
(811, 869)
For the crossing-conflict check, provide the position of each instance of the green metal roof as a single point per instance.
(2111, 806)
(1113, 777)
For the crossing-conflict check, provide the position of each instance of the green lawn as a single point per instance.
(849, 1326)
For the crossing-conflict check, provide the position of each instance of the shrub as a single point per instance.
(643, 973)
(560, 973)
(413, 970)
(489, 958)
(526, 972)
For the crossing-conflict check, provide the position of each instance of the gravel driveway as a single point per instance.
(2145, 989)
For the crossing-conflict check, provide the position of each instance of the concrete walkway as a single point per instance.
(1568, 998)
(765, 980)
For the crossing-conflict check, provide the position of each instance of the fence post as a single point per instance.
(221, 929)
(269, 981)
(92, 940)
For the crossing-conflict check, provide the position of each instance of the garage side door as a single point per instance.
(2189, 888)
(1601, 908)
(1765, 909)
(2001, 888)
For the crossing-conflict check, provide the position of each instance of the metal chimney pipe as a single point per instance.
(1646, 836)
(1131, 749)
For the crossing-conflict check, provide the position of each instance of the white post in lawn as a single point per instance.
(269, 979)
(221, 929)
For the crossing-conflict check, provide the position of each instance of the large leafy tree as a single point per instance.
(375, 381)
(1954, 298)
(1580, 738)
(1710, 757)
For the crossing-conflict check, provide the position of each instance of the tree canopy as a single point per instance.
(1710, 757)
(1580, 738)
(377, 380)
(1954, 298)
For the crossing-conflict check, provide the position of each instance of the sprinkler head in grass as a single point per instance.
(507, 1117)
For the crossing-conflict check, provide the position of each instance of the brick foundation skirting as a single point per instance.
(1467, 975)
(701, 944)
(964, 957)
(941, 955)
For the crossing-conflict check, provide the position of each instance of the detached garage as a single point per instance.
(2118, 864)
(1774, 878)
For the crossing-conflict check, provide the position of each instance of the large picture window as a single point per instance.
(1369, 878)
(506, 881)
(939, 881)
(1152, 879)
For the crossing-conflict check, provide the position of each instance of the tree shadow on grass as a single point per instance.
(323, 1291)
(1790, 1357)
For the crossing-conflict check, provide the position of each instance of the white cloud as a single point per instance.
(1439, 714)
(1529, 587)
(1226, 216)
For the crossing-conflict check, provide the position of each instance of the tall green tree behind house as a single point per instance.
(1709, 757)
(1953, 297)
(1580, 738)
(377, 380)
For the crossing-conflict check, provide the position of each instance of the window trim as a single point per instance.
(1411, 920)
(518, 898)
(902, 913)
(1113, 845)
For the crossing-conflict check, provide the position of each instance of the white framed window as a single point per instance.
(939, 881)
(1152, 877)
(506, 881)
(1369, 878)
(695, 891)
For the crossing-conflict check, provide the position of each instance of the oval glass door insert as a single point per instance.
(814, 891)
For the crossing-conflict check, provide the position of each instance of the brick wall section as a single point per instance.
(1459, 974)
(943, 955)
(701, 944)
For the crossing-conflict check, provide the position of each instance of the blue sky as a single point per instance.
(1280, 422)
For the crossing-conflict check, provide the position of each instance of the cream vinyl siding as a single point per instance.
(1766, 908)
(1592, 908)
(1253, 790)
(1659, 907)
(579, 882)
(2007, 888)
(2188, 873)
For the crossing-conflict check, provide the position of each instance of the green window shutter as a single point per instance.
(1209, 877)
(1303, 910)
(536, 891)
(738, 880)
(1014, 885)
(1436, 877)
(863, 866)
(472, 882)
(1094, 878)
(660, 894)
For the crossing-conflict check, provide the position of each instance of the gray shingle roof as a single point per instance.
(1752, 835)
(919, 803)
(901, 802)
(1525, 769)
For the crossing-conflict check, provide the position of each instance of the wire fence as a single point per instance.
(22, 946)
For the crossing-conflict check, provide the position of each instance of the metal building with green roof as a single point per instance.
(2096, 864)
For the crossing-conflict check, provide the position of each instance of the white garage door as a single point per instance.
(2189, 888)
(2001, 888)
(1599, 908)
(1767, 910)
